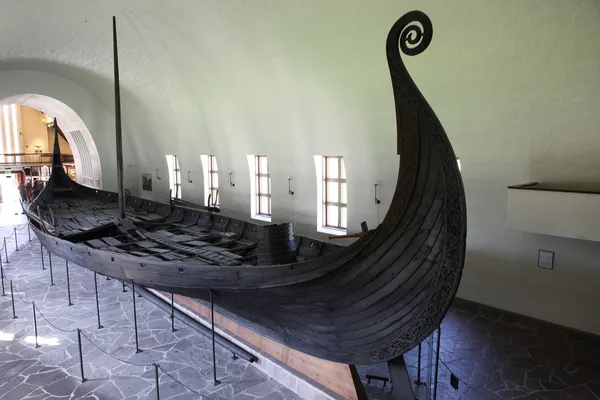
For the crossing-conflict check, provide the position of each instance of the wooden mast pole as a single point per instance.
(119, 136)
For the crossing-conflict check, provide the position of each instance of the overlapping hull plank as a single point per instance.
(365, 303)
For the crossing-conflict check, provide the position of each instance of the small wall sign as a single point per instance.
(546, 259)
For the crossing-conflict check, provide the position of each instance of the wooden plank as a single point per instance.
(147, 244)
(169, 256)
(97, 243)
(181, 238)
(112, 241)
(139, 253)
(197, 243)
(230, 255)
(158, 250)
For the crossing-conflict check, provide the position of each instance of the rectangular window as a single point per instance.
(174, 176)
(8, 137)
(15, 129)
(2, 134)
(335, 208)
(263, 186)
(213, 181)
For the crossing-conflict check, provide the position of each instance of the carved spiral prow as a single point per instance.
(415, 31)
(411, 34)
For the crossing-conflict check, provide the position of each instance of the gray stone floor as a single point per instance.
(52, 371)
(500, 355)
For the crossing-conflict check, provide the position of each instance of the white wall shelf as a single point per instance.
(553, 210)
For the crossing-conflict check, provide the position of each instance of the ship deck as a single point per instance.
(162, 233)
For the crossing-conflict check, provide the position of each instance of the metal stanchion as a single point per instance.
(124, 287)
(97, 304)
(42, 251)
(137, 347)
(16, 244)
(172, 314)
(35, 325)
(50, 262)
(29, 232)
(2, 275)
(418, 381)
(5, 251)
(12, 297)
(437, 363)
(212, 320)
(80, 354)
(156, 379)
(68, 283)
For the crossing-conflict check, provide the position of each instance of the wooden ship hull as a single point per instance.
(365, 303)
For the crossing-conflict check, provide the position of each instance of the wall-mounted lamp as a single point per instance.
(377, 201)
(230, 180)
(189, 177)
(290, 191)
(157, 177)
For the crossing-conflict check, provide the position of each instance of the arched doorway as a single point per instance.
(85, 153)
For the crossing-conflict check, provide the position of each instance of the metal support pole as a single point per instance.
(80, 354)
(418, 381)
(172, 314)
(29, 232)
(50, 261)
(35, 325)
(234, 356)
(156, 379)
(124, 287)
(42, 251)
(2, 276)
(437, 363)
(12, 297)
(97, 304)
(107, 278)
(137, 346)
(68, 283)
(212, 321)
(16, 244)
(5, 251)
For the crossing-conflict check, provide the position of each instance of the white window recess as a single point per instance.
(260, 188)
(211, 180)
(332, 193)
(174, 176)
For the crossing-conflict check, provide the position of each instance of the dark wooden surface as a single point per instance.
(366, 303)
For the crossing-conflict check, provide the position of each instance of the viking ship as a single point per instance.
(364, 303)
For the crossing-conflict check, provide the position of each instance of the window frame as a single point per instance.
(174, 177)
(213, 169)
(340, 180)
(259, 189)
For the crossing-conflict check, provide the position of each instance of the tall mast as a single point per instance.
(56, 159)
(119, 136)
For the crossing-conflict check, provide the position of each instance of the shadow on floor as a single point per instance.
(500, 355)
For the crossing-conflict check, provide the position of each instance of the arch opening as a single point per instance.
(85, 153)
